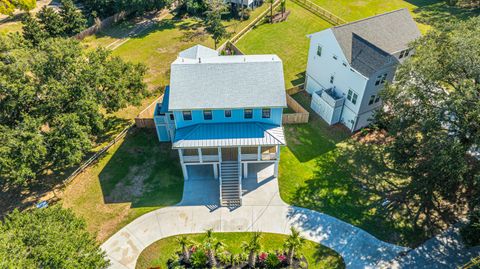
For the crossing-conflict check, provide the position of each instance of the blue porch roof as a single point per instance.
(229, 135)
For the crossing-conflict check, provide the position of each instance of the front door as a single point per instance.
(229, 154)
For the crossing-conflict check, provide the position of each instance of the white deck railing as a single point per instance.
(191, 159)
(249, 157)
(210, 158)
(269, 156)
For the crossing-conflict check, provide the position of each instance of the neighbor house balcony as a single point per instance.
(330, 97)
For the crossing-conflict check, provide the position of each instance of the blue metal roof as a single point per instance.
(228, 135)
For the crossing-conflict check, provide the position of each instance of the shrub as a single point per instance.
(224, 257)
(303, 264)
(471, 232)
(199, 259)
(272, 261)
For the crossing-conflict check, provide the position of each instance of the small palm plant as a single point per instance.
(293, 243)
(185, 242)
(211, 245)
(253, 247)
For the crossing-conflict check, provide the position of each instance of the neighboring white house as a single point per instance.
(349, 64)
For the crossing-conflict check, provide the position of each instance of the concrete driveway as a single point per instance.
(262, 210)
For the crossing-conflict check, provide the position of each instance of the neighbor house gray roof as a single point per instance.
(198, 51)
(218, 82)
(228, 135)
(366, 43)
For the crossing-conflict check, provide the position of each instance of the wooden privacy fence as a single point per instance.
(295, 89)
(301, 115)
(144, 119)
(99, 25)
(321, 12)
(97, 155)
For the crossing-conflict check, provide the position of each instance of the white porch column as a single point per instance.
(239, 157)
(259, 153)
(278, 152)
(200, 156)
(275, 172)
(184, 166)
(219, 154)
(245, 170)
(215, 170)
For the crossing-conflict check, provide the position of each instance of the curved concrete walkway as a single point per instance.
(262, 210)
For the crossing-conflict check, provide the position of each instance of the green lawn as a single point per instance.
(286, 39)
(10, 27)
(323, 169)
(318, 256)
(138, 175)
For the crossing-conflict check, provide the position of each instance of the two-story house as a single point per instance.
(349, 64)
(223, 113)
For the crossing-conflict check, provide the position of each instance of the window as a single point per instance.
(404, 53)
(352, 97)
(372, 99)
(266, 113)
(377, 99)
(381, 79)
(187, 115)
(172, 117)
(248, 113)
(319, 50)
(332, 78)
(207, 115)
(228, 113)
(335, 57)
(345, 64)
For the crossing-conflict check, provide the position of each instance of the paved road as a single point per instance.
(262, 210)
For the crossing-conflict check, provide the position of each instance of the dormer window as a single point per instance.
(266, 113)
(187, 115)
(207, 115)
(248, 113)
(381, 79)
(319, 50)
(404, 53)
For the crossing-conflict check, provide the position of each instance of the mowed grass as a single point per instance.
(323, 168)
(286, 39)
(318, 256)
(136, 176)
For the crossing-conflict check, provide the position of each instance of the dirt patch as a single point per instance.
(133, 184)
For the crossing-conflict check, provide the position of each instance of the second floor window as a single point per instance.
(352, 96)
(187, 115)
(377, 99)
(266, 113)
(228, 113)
(319, 50)
(248, 113)
(372, 99)
(207, 115)
(172, 117)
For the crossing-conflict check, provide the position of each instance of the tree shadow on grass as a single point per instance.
(299, 79)
(328, 256)
(434, 12)
(142, 172)
(347, 184)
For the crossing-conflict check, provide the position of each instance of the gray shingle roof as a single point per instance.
(389, 33)
(228, 135)
(247, 81)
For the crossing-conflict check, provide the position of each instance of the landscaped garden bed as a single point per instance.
(233, 250)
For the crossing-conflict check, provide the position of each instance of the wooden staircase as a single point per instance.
(230, 184)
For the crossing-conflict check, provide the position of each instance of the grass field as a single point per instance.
(136, 176)
(286, 39)
(318, 256)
